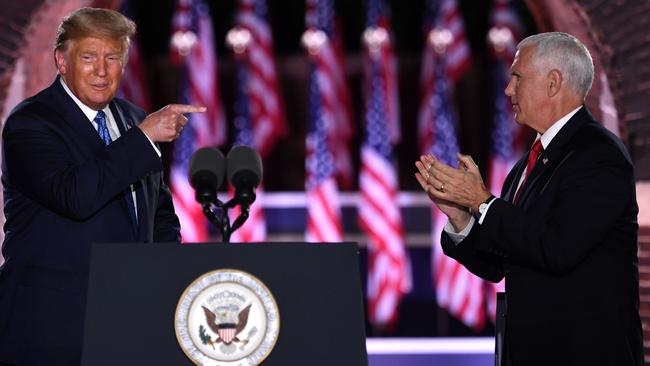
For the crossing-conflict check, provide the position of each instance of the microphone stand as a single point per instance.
(223, 222)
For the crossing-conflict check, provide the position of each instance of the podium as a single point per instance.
(134, 290)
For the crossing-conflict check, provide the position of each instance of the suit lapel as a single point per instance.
(75, 118)
(553, 154)
(508, 193)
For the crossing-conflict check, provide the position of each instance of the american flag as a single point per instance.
(259, 120)
(193, 49)
(254, 229)
(336, 104)
(457, 53)
(380, 218)
(323, 209)
(457, 290)
(262, 86)
(507, 138)
(133, 86)
(444, 33)
(505, 31)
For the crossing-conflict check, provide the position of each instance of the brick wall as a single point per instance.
(644, 273)
(27, 31)
(15, 18)
(616, 31)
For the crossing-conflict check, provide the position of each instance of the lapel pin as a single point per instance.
(544, 161)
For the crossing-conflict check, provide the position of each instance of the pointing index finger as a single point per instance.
(187, 108)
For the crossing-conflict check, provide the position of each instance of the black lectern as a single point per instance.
(134, 290)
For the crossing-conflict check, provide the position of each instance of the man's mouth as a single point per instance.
(100, 86)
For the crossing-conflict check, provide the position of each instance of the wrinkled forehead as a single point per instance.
(97, 43)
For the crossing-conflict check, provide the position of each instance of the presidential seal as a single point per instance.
(227, 317)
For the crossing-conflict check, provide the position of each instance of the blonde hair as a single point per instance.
(94, 22)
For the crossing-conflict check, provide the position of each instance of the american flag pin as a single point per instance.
(544, 161)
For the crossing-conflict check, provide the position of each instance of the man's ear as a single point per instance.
(555, 81)
(60, 62)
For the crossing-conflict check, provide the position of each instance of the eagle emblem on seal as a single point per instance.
(226, 330)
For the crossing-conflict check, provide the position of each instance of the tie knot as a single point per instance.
(534, 154)
(100, 117)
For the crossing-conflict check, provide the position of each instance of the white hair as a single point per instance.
(564, 52)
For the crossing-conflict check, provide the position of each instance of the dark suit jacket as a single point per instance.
(568, 251)
(63, 190)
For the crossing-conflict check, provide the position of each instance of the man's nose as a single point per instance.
(510, 89)
(100, 67)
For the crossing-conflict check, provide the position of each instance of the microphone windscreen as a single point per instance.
(207, 168)
(244, 167)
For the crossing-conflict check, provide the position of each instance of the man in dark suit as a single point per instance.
(79, 167)
(564, 232)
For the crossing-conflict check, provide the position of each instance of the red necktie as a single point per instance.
(535, 151)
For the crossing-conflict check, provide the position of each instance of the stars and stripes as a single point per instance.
(377, 41)
(259, 120)
(192, 48)
(507, 141)
(380, 218)
(133, 86)
(254, 229)
(323, 209)
(444, 37)
(505, 31)
(450, 22)
(325, 50)
(445, 57)
(457, 289)
(265, 109)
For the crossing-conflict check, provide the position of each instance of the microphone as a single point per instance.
(244, 170)
(206, 173)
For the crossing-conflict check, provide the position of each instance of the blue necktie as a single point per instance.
(102, 130)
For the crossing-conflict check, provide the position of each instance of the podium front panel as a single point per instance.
(134, 290)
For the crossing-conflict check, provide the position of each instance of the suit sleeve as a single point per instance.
(41, 166)
(593, 192)
(484, 265)
(166, 225)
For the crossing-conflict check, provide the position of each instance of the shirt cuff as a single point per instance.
(480, 219)
(458, 237)
(154, 145)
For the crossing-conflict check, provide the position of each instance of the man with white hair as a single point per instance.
(564, 231)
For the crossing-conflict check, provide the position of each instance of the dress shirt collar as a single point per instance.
(548, 136)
